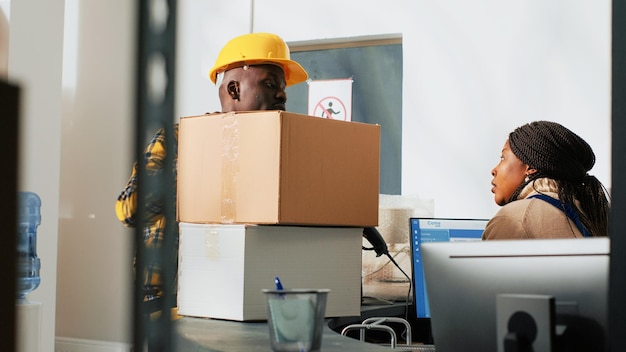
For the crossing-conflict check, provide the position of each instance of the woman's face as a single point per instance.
(507, 175)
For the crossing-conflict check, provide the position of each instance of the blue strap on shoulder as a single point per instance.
(569, 211)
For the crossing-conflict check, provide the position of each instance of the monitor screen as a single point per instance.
(465, 281)
(424, 230)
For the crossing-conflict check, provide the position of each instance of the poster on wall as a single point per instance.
(331, 99)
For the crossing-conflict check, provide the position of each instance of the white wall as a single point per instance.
(95, 250)
(5, 9)
(472, 72)
(35, 57)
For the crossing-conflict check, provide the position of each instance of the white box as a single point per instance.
(223, 268)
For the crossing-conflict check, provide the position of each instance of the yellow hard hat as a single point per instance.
(256, 49)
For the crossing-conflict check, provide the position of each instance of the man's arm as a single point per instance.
(126, 204)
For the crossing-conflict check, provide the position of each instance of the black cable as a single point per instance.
(380, 247)
(408, 295)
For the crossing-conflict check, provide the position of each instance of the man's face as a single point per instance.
(260, 87)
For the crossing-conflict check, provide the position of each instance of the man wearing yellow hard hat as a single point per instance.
(251, 72)
(255, 49)
(260, 62)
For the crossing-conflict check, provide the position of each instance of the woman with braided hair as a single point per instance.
(544, 188)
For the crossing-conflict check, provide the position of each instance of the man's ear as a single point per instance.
(233, 89)
(530, 171)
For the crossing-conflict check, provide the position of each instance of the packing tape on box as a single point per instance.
(212, 249)
(230, 167)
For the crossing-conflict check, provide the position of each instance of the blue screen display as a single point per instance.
(436, 230)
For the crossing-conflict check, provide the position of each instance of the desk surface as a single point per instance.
(197, 334)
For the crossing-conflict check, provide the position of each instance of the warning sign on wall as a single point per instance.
(331, 99)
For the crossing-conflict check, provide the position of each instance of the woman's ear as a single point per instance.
(233, 89)
(530, 171)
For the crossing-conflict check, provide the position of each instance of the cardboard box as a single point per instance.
(274, 167)
(223, 268)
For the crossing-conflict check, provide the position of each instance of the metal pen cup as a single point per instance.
(296, 319)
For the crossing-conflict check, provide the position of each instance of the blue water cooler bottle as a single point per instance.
(28, 264)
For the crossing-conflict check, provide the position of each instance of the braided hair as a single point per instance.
(560, 154)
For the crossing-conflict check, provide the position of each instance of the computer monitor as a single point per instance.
(465, 279)
(424, 230)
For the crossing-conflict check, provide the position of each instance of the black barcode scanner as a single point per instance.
(374, 237)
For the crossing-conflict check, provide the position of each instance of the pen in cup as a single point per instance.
(279, 285)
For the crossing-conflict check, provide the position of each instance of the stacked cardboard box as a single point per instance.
(264, 194)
